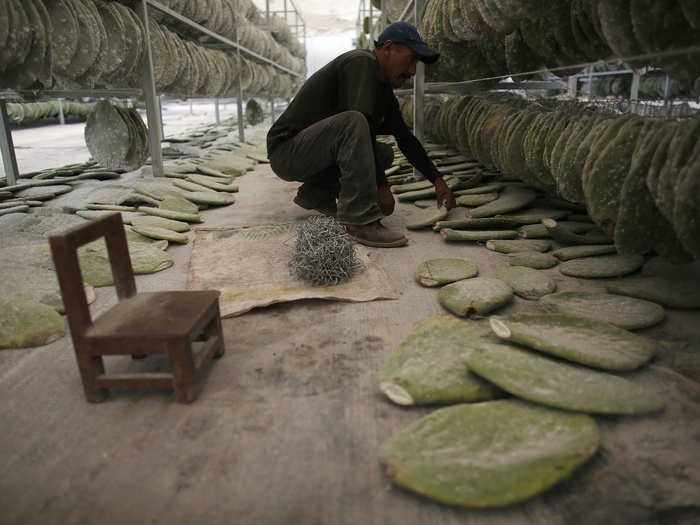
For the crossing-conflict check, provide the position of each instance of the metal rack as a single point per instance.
(376, 18)
(148, 88)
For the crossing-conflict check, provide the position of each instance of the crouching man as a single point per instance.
(326, 138)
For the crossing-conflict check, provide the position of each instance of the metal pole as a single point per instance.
(191, 108)
(152, 101)
(61, 116)
(590, 82)
(418, 91)
(667, 93)
(267, 13)
(239, 102)
(9, 161)
(272, 109)
(216, 110)
(406, 10)
(634, 91)
(573, 85)
(160, 114)
(285, 10)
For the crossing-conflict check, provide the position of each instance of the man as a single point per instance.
(326, 138)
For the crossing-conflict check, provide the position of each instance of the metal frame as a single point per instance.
(153, 107)
(7, 147)
(375, 18)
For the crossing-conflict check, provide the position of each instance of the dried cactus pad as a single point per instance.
(626, 312)
(527, 282)
(437, 272)
(534, 377)
(428, 366)
(602, 266)
(672, 293)
(489, 454)
(592, 343)
(479, 296)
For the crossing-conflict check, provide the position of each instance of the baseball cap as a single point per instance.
(407, 34)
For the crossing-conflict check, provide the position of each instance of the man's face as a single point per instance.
(400, 64)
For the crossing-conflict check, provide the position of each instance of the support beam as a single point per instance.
(216, 111)
(634, 91)
(61, 116)
(152, 100)
(9, 160)
(418, 90)
(239, 101)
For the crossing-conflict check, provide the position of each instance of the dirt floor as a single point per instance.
(287, 424)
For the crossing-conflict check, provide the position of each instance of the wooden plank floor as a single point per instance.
(288, 423)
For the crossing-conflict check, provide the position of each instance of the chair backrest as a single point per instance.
(64, 248)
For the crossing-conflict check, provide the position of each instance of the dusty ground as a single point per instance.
(287, 424)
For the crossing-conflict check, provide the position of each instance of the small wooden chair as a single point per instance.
(139, 324)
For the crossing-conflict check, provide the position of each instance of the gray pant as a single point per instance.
(334, 158)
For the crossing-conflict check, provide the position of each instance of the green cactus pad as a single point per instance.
(527, 282)
(486, 188)
(539, 379)
(171, 214)
(519, 245)
(412, 186)
(578, 252)
(586, 341)
(602, 266)
(475, 235)
(476, 199)
(155, 232)
(426, 217)
(626, 312)
(535, 215)
(486, 223)
(215, 198)
(477, 296)
(672, 293)
(437, 272)
(410, 196)
(24, 322)
(145, 221)
(511, 199)
(428, 366)
(489, 454)
(179, 204)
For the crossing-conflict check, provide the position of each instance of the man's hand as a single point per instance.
(386, 199)
(444, 194)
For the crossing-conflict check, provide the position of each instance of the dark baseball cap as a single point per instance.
(405, 33)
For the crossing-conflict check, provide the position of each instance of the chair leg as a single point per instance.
(182, 364)
(90, 367)
(217, 331)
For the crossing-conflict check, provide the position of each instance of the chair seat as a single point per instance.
(155, 315)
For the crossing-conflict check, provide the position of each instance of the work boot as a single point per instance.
(327, 208)
(375, 234)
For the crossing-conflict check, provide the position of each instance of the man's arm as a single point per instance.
(414, 151)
